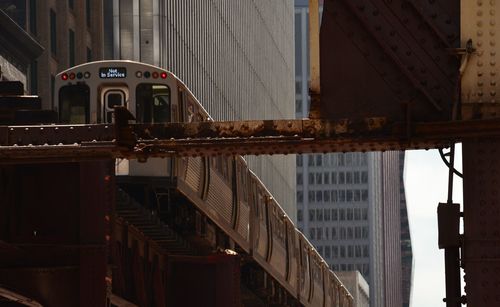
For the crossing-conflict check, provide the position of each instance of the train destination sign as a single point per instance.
(112, 72)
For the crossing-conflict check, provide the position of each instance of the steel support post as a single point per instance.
(481, 253)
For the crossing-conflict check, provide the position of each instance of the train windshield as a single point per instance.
(74, 104)
(153, 103)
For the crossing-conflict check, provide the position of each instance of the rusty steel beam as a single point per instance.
(18, 298)
(257, 137)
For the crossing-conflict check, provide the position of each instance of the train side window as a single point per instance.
(153, 103)
(74, 104)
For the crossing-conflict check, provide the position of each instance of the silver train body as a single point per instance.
(223, 188)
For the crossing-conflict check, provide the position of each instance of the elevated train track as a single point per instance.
(141, 141)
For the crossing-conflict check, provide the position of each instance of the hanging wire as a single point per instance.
(448, 164)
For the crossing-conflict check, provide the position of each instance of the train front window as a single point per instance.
(74, 104)
(153, 103)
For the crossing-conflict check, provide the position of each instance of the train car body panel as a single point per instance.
(278, 251)
(260, 234)
(243, 203)
(317, 284)
(304, 270)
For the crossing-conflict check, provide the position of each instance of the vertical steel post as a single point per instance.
(314, 59)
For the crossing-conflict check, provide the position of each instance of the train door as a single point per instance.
(112, 96)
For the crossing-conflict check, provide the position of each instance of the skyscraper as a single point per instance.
(349, 204)
(235, 56)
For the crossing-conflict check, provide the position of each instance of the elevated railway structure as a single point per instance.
(415, 74)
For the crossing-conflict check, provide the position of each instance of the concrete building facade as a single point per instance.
(71, 32)
(236, 57)
(17, 50)
(349, 204)
(357, 286)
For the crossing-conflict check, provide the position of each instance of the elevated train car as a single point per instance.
(222, 188)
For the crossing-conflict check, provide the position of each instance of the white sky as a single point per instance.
(426, 182)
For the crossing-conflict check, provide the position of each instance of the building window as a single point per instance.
(364, 233)
(311, 196)
(342, 214)
(327, 233)
(298, 159)
(319, 215)
(341, 195)
(348, 159)
(320, 249)
(358, 252)
(34, 78)
(357, 214)
(364, 177)
(357, 195)
(335, 251)
(349, 214)
(312, 233)
(299, 215)
(365, 214)
(33, 19)
(71, 48)
(334, 178)
(350, 251)
(364, 195)
(349, 195)
(334, 214)
(319, 196)
(327, 215)
(328, 252)
(326, 178)
(334, 233)
(342, 253)
(53, 33)
(319, 178)
(341, 178)
(365, 251)
(357, 178)
(326, 196)
(311, 178)
(319, 233)
(300, 179)
(319, 160)
(300, 196)
(311, 215)
(348, 177)
(334, 196)
(310, 160)
(350, 235)
(340, 160)
(342, 233)
(364, 159)
(87, 7)
(357, 232)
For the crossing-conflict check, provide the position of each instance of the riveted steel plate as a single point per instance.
(389, 59)
(480, 25)
(481, 254)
